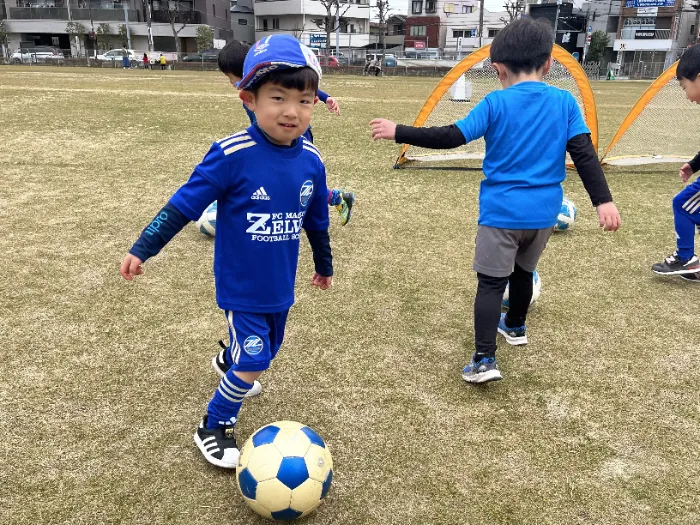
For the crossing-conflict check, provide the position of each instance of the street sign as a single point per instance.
(575, 55)
(590, 29)
(418, 45)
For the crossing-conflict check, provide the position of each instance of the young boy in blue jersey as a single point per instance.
(686, 205)
(230, 62)
(269, 182)
(528, 127)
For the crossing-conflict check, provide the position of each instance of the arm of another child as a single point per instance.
(187, 204)
(689, 168)
(330, 102)
(473, 126)
(316, 224)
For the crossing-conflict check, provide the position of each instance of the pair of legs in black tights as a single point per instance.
(487, 307)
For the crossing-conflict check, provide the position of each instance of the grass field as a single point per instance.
(102, 382)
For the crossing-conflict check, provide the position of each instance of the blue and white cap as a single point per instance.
(276, 52)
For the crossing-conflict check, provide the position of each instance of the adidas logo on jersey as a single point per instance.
(260, 195)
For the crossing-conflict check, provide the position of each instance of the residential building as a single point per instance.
(304, 19)
(422, 25)
(395, 29)
(43, 23)
(651, 35)
(459, 31)
(603, 15)
(243, 20)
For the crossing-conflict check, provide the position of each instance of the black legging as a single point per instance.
(487, 306)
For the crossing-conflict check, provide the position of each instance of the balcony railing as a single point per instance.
(658, 34)
(181, 17)
(61, 13)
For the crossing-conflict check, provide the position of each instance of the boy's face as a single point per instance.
(233, 79)
(692, 89)
(284, 114)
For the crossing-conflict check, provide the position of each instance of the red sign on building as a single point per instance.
(418, 45)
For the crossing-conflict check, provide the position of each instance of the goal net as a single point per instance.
(661, 127)
(467, 83)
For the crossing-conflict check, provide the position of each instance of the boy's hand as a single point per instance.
(333, 106)
(383, 129)
(324, 283)
(131, 266)
(609, 217)
(686, 172)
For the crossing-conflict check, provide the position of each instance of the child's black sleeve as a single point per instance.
(165, 225)
(320, 243)
(443, 137)
(588, 166)
(695, 163)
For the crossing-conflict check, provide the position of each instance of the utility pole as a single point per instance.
(92, 30)
(481, 23)
(126, 21)
(556, 20)
(150, 32)
(337, 31)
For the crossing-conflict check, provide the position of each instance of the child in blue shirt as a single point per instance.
(528, 127)
(230, 62)
(270, 182)
(686, 205)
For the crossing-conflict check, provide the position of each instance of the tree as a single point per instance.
(514, 8)
(328, 22)
(596, 50)
(205, 38)
(4, 38)
(175, 16)
(383, 15)
(76, 30)
(104, 37)
(123, 35)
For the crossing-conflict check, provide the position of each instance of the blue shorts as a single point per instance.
(254, 339)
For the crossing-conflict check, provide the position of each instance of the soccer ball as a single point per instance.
(536, 290)
(284, 470)
(207, 222)
(567, 215)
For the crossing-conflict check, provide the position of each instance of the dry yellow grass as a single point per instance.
(103, 382)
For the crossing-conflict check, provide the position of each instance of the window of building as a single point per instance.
(242, 22)
(430, 6)
(493, 33)
(464, 33)
(213, 10)
(264, 24)
(692, 29)
(275, 23)
(466, 9)
(417, 7)
(418, 30)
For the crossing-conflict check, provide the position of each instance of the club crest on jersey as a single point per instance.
(253, 345)
(307, 190)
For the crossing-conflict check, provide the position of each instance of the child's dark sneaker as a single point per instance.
(674, 265)
(218, 363)
(483, 371)
(695, 277)
(345, 207)
(514, 336)
(218, 446)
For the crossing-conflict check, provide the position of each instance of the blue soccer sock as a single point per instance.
(685, 227)
(224, 407)
(335, 197)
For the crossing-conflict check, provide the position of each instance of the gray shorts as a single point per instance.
(499, 249)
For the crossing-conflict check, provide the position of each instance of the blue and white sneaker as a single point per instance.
(514, 336)
(482, 371)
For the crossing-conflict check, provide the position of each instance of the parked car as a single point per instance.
(332, 61)
(202, 57)
(117, 55)
(34, 55)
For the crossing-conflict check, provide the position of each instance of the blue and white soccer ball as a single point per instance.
(284, 470)
(536, 290)
(207, 222)
(567, 216)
